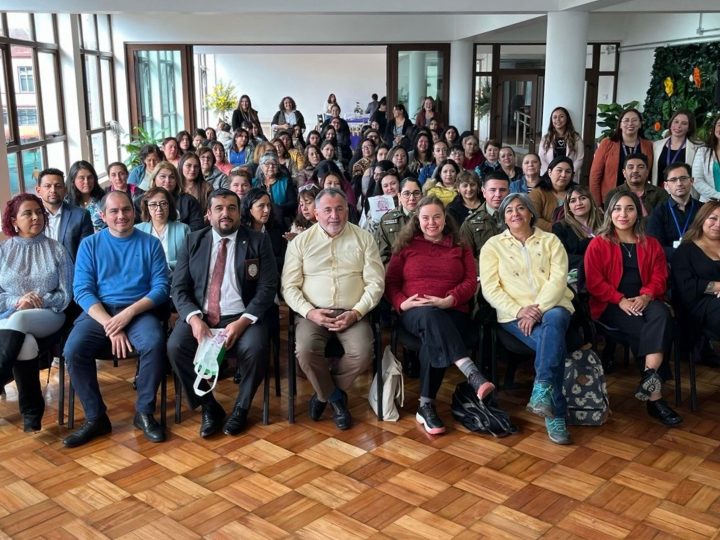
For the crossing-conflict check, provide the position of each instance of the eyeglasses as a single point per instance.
(678, 179)
(407, 194)
(156, 205)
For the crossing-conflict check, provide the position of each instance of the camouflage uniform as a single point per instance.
(478, 227)
(387, 230)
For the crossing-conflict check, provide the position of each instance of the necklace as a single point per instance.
(627, 249)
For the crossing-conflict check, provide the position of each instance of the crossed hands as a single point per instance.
(528, 317)
(327, 319)
(31, 300)
(417, 300)
(636, 305)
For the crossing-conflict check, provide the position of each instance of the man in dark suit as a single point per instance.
(67, 224)
(225, 278)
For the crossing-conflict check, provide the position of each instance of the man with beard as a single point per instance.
(636, 172)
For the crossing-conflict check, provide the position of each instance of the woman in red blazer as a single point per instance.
(606, 171)
(626, 275)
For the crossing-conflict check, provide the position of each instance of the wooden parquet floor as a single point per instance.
(631, 478)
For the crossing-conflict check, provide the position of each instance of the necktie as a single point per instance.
(213, 312)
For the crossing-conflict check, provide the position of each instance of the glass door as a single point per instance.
(415, 72)
(519, 102)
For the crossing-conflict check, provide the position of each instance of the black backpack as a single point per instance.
(480, 416)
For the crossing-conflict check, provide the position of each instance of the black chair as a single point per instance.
(333, 349)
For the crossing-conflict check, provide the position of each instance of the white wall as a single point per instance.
(308, 77)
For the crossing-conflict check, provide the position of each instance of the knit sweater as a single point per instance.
(38, 264)
(435, 269)
(120, 271)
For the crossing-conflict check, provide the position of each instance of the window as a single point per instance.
(27, 116)
(25, 79)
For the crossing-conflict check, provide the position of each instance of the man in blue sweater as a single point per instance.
(121, 279)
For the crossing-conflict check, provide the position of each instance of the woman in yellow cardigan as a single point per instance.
(443, 182)
(523, 275)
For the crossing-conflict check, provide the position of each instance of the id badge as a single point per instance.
(676, 243)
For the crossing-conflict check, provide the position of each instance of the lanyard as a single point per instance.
(635, 150)
(669, 156)
(687, 219)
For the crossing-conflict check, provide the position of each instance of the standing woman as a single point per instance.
(530, 177)
(430, 281)
(331, 100)
(244, 113)
(221, 162)
(706, 165)
(606, 172)
(580, 224)
(550, 192)
(36, 275)
(83, 190)
(287, 116)
(507, 164)
(193, 181)
(467, 200)
(398, 127)
(626, 275)
(166, 176)
(150, 156)
(159, 218)
(523, 276)
(427, 113)
(240, 151)
(560, 140)
(678, 147)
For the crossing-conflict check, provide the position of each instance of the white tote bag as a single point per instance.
(393, 387)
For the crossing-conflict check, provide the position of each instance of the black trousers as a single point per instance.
(648, 333)
(441, 334)
(251, 351)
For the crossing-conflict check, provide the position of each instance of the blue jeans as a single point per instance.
(547, 339)
(88, 339)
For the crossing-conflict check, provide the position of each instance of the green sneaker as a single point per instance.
(541, 400)
(557, 430)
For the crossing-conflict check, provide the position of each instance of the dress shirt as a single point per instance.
(340, 272)
(53, 225)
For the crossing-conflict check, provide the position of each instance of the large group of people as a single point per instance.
(221, 226)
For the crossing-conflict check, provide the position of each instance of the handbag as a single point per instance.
(585, 389)
(393, 387)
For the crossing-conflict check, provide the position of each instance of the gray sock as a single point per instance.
(425, 401)
(467, 366)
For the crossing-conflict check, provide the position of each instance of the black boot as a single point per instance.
(11, 341)
(30, 398)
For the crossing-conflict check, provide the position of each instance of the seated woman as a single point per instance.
(530, 175)
(159, 216)
(36, 276)
(83, 190)
(192, 180)
(166, 176)
(117, 173)
(468, 198)
(443, 182)
(212, 174)
(284, 158)
(474, 157)
(580, 224)
(389, 184)
(392, 222)
(240, 151)
(184, 140)
(430, 282)
(221, 161)
(421, 154)
(306, 211)
(492, 159)
(280, 188)
(312, 157)
(523, 276)
(506, 156)
(150, 156)
(626, 275)
(549, 196)
(256, 210)
(240, 182)
(171, 151)
(328, 175)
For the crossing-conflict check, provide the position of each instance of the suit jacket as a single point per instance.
(190, 279)
(75, 224)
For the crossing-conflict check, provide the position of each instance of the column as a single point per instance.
(565, 65)
(461, 73)
(417, 83)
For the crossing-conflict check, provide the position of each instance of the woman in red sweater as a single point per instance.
(626, 276)
(430, 281)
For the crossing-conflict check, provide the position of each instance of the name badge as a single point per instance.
(676, 243)
(252, 269)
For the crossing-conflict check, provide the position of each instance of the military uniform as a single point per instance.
(478, 227)
(653, 196)
(387, 230)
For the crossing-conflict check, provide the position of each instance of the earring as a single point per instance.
(16, 229)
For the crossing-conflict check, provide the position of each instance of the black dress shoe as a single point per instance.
(661, 410)
(213, 416)
(316, 407)
(341, 414)
(236, 422)
(146, 423)
(88, 431)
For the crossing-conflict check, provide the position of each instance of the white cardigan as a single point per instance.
(657, 167)
(546, 156)
(702, 171)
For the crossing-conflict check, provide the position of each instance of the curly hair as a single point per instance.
(12, 207)
(412, 228)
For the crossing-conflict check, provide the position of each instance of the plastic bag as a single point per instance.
(393, 387)
(208, 357)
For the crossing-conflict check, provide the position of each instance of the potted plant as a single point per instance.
(222, 99)
(139, 138)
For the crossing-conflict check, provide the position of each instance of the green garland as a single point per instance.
(683, 77)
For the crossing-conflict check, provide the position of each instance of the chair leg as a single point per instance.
(676, 361)
(266, 398)
(61, 390)
(493, 360)
(693, 382)
(178, 398)
(71, 406)
(163, 402)
(378, 370)
(292, 383)
(276, 365)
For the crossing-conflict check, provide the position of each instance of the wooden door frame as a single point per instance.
(513, 75)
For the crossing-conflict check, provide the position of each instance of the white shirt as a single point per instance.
(53, 226)
(162, 237)
(231, 302)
